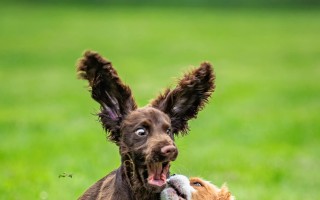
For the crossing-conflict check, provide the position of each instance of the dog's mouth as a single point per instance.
(157, 173)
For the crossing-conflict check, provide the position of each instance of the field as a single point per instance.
(260, 132)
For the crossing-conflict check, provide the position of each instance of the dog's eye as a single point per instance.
(169, 131)
(197, 184)
(141, 132)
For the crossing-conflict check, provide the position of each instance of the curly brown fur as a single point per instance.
(145, 136)
(189, 96)
(107, 89)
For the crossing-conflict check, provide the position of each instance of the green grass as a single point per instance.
(259, 133)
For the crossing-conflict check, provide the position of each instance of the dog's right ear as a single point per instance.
(115, 98)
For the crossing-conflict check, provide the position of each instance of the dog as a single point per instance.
(179, 187)
(145, 136)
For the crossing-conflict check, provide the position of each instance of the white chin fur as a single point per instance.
(181, 183)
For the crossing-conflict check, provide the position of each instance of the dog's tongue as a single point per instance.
(157, 174)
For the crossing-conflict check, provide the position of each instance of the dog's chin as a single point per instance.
(178, 188)
(171, 194)
(157, 175)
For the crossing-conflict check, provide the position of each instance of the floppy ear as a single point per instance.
(114, 97)
(190, 95)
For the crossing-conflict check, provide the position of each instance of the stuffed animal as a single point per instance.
(179, 187)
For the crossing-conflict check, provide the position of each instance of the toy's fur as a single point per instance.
(181, 188)
(145, 136)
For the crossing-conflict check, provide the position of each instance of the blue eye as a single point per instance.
(197, 184)
(141, 132)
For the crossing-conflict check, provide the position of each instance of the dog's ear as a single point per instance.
(187, 98)
(225, 194)
(115, 98)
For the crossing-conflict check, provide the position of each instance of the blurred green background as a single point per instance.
(259, 133)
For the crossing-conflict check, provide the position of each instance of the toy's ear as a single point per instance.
(190, 95)
(114, 97)
(225, 194)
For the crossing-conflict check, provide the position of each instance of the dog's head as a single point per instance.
(145, 135)
(181, 188)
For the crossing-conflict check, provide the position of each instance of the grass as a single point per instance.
(259, 133)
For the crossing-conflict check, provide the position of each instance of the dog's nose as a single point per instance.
(168, 150)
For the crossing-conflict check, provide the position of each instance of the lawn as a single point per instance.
(260, 132)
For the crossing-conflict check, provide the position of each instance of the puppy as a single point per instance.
(145, 136)
(179, 187)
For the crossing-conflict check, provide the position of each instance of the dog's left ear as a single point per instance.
(190, 95)
(225, 194)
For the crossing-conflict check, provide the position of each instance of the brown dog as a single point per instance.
(181, 188)
(145, 136)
